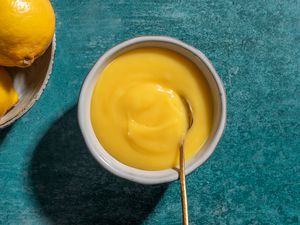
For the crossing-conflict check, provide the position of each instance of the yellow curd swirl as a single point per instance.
(137, 112)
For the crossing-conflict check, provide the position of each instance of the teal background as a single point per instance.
(48, 177)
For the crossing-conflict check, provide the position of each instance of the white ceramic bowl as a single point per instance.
(30, 83)
(143, 176)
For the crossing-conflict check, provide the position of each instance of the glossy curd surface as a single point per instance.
(137, 111)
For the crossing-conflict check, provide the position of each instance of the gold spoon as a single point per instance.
(185, 215)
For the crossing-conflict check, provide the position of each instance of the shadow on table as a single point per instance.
(73, 189)
(3, 134)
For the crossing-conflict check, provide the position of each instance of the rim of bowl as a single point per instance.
(39, 93)
(94, 145)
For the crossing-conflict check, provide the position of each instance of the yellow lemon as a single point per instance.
(26, 30)
(8, 95)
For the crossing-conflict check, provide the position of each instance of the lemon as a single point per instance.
(8, 95)
(26, 30)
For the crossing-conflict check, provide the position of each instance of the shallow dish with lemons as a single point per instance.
(27, 46)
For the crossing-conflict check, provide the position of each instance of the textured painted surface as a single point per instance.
(47, 176)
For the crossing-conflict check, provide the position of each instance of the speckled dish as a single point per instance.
(144, 176)
(30, 84)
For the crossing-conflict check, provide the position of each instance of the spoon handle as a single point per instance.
(185, 215)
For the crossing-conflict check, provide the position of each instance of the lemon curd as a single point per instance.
(137, 111)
